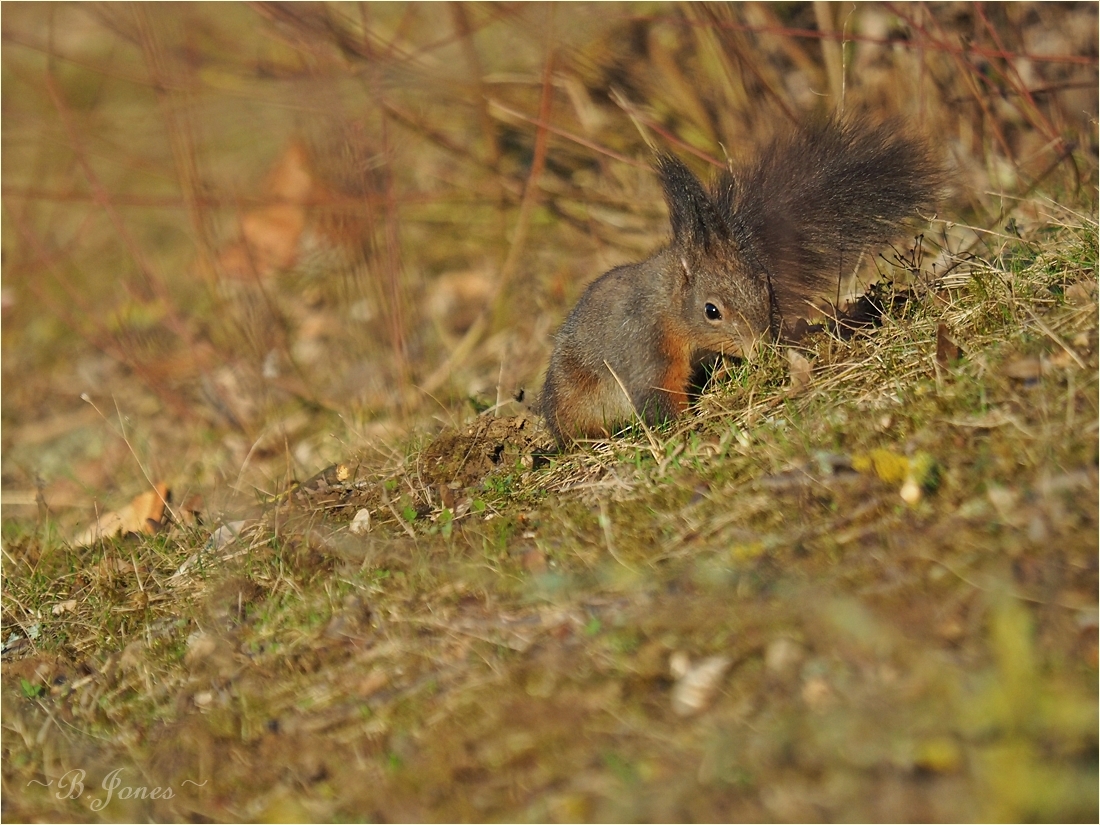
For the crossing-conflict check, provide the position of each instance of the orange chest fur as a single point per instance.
(675, 349)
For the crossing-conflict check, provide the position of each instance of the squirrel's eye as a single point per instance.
(713, 313)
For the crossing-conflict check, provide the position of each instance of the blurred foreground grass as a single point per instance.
(263, 239)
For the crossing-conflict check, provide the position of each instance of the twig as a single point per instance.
(654, 445)
(565, 133)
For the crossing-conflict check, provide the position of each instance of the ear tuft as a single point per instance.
(696, 220)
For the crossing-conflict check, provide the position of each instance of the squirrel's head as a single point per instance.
(724, 294)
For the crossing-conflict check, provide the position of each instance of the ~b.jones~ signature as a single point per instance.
(71, 786)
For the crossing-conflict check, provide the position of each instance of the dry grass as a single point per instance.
(269, 239)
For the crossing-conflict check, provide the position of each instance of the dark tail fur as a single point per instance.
(813, 201)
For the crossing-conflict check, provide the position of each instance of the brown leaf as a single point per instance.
(105, 527)
(148, 509)
(948, 352)
(145, 514)
(270, 235)
(190, 512)
(290, 177)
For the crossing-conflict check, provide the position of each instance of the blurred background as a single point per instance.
(244, 241)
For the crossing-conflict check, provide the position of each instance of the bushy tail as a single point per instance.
(812, 202)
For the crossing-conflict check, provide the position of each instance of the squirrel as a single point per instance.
(744, 255)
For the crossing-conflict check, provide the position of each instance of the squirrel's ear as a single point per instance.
(696, 221)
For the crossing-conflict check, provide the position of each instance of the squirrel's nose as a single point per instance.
(750, 345)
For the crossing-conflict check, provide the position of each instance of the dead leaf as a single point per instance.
(360, 525)
(106, 526)
(145, 514)
(948, 352)
(801, 371)
(290, 177)
(148, 510)
(190, 512)
(270, 235)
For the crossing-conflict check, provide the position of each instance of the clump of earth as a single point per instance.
(459, 459)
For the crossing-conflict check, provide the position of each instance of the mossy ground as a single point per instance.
(931, 660)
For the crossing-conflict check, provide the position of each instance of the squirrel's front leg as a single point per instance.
(668, 397)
